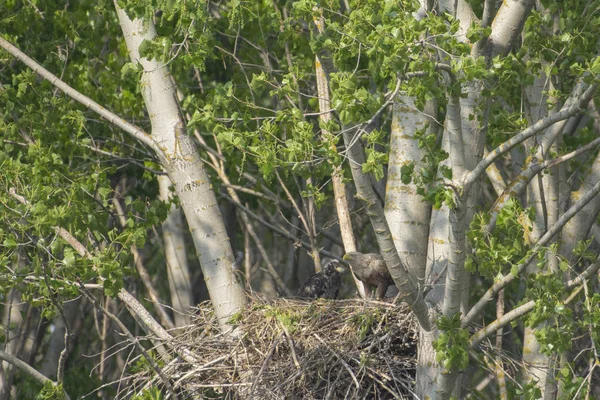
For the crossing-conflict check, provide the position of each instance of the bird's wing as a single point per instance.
(313, 287)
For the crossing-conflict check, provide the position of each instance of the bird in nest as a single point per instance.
(325, 284)
(371, 270)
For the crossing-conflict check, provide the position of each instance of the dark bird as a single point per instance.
(325, 284)
(371, 270)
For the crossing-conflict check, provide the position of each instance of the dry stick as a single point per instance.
(525, 308)
(139, 265)
(499, 368)
(27, 369)
(133, 305)
(92, 299)
(308, 231)
(264, 364)
(339, 189)
(545, 239)
(114, 119)
(279, 230)
(60, 369)
(344, 363)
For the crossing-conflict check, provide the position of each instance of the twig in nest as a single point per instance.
(291, 344)
(383, 385)
(264, 364)
(341, 361)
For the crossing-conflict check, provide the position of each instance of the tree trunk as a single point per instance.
(176, 258)
(406, 212)
(186, 171)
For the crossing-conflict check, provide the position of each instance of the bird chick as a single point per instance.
(325, 284)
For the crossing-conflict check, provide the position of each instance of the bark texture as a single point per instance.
(187, 172)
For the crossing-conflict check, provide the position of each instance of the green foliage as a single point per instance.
(152, 393)
(430, 179)
(363, 322)
(142, 364)
(246, 71)
(529, 391)
(496, 254)
(548, 292)
(452, 343)
(286, 317)
(50, 391)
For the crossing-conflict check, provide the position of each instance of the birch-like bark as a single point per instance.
(446, 252)
(463, 140)
(406, 283)
(186, 171)
(543, 194)
(578, 228)
(27, 369)
(507, 26)
(178, 271)
(407, 214)
(339, 189)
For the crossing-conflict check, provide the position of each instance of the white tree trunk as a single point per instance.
(407, 214)
(186, 171)
(176, 258)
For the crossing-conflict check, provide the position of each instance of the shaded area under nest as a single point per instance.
(297, 349)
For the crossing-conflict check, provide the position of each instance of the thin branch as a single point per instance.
(133, 305)
(279, 230)
(126, 159)
(544, 240)
(536, 128)
(27, 369)
(60, 369)
(307, 225)
(523, 309)
(533, 168)
(500, 322)
(141, 269)
(265, 256)
(133, 340)
(111, 117)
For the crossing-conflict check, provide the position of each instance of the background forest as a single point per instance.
(157, 154)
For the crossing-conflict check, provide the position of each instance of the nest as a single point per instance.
(296, 349)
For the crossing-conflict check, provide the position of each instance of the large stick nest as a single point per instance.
(296, 349)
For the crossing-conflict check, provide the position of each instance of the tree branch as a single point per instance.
(133, 340)
(536, 128)
(530, 170)
(113, 118)
(502, 283)
(28, 369)
(523, 309)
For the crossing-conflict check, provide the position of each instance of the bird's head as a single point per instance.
(352, 256)
(334, 265)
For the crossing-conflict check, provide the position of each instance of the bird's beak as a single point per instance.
(341, 269)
